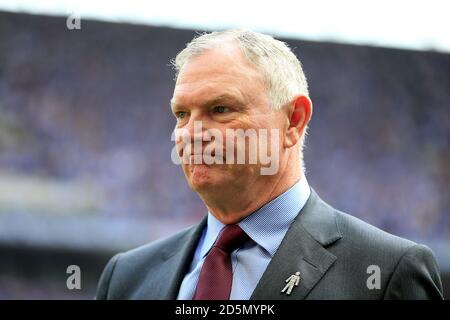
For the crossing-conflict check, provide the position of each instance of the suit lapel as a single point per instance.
(303, 250)
(177, 262)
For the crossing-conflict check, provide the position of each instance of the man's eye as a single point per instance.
(180, 114)
(221, 109)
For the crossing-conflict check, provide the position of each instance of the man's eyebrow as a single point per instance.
(224, 97)
(217, 99)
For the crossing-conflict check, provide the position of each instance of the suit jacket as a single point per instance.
(334, 252)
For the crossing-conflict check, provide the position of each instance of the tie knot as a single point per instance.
(231, 238)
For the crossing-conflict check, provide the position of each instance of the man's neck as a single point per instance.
(234, 207)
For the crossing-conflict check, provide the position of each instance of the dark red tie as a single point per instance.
(216, 275)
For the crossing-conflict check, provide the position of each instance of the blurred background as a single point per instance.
(85, 124)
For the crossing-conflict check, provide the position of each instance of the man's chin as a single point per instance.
(203, 176)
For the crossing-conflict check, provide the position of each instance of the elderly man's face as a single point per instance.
(224, 91)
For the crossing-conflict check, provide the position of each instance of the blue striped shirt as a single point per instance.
(266, 227)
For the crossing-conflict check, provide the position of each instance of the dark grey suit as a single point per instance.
(331, 250)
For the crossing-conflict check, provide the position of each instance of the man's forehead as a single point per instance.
(216, 73)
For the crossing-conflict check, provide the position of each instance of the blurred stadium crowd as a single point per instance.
(85, 129)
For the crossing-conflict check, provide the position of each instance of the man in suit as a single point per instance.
(265, 236)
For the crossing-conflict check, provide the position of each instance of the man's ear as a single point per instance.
(300, 113)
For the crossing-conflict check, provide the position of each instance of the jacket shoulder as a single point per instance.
(362, 234)
(408, 270)
(123, 274)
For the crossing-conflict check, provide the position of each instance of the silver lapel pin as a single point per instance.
(292, 281)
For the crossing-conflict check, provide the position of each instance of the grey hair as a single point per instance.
(282, 71)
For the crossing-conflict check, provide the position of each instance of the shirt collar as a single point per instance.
(268, 225)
